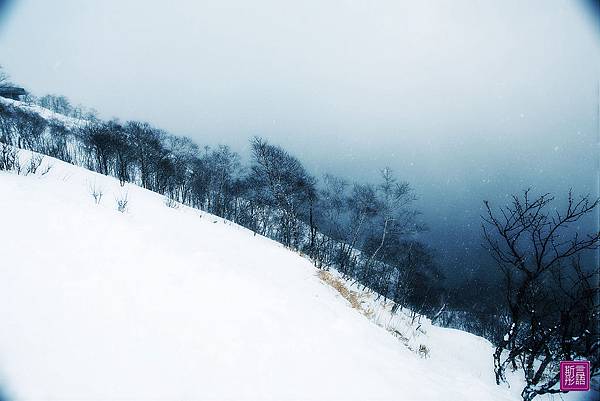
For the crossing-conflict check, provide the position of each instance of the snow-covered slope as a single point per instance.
(160, 303)
(68, 122)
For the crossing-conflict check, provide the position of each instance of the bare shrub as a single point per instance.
(423, 351)
(34, 164)
(46, 169)
(401, 336)
(96, 193)
(122, 202)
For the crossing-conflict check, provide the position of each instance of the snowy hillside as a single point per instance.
(172, 303)
(49, 115)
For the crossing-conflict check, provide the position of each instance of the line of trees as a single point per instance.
(367, 231)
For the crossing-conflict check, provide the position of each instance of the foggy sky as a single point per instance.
(466, 100)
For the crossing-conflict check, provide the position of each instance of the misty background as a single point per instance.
(465, 100)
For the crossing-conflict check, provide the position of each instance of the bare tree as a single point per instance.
(539, 250)
(9, 158)
(363, 206)
(147, 150)
(394, 197)
(215, 179)
(282, 184)
(329, 221)
(170, 202)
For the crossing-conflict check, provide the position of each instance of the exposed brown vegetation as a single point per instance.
(351, 296)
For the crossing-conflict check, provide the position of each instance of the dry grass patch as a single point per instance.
(354, 297)
(351, 296)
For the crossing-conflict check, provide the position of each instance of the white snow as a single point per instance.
(68, 122)
(159, 303)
